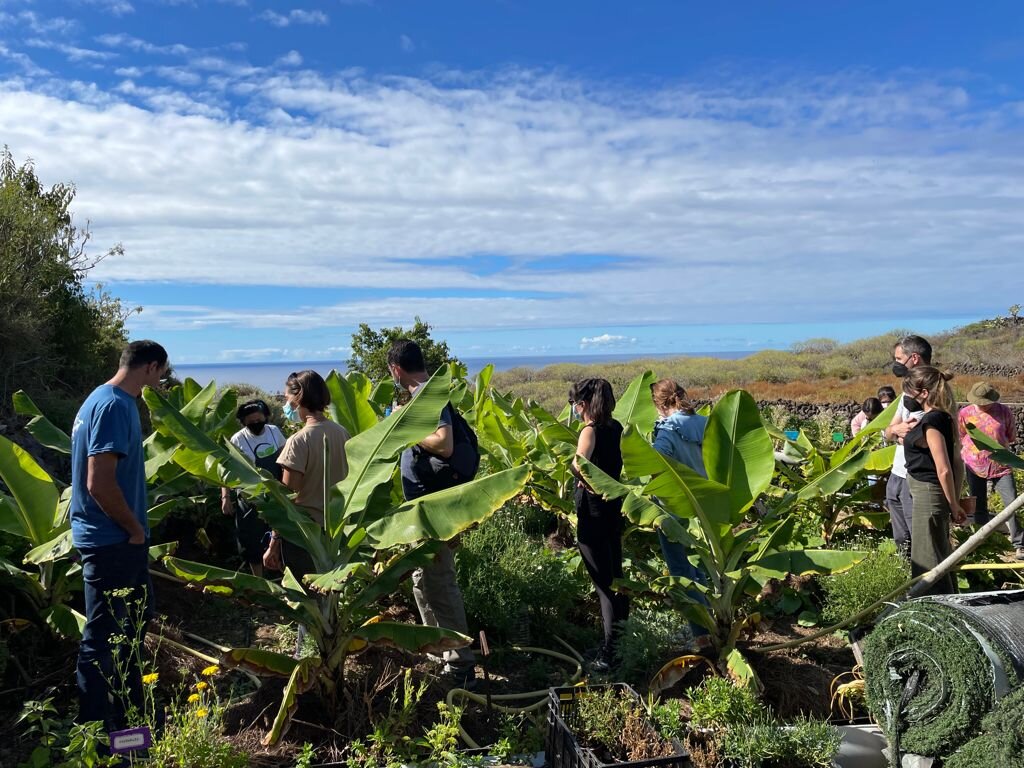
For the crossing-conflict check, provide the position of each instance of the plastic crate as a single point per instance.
(562, 750)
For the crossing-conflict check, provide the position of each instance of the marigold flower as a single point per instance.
(211, 671)
(202, 712)
(151, 678)
(201, 686)
(194, 698)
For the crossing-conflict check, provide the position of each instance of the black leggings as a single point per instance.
(599, 538)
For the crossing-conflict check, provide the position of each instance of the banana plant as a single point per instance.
(363, 550)
(831, 487)
(709, 515)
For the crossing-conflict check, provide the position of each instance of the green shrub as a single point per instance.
(720, 703)
(850, 592)
(764, 744)
(646, 640)
(507, 576)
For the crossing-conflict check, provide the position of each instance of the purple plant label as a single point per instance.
(130, 739)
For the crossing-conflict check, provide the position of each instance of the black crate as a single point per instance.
(562, 750)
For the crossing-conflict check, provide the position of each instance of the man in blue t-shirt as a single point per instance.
(110, 529)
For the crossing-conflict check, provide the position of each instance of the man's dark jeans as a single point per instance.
(118, 601)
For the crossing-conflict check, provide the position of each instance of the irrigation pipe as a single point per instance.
(462, 693)
(926, 579)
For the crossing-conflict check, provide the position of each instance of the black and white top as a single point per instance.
(920, 464)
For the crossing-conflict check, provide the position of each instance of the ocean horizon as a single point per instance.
(270, 376)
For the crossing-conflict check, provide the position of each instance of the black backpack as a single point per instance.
(436, 472)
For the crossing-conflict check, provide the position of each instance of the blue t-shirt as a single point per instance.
(107, 422)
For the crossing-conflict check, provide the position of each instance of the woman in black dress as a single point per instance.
(934, 471)
(599, 521)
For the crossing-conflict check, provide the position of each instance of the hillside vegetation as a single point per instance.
(817, 370)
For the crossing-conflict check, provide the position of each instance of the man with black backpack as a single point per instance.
(443, 459)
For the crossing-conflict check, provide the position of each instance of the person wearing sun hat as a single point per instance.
(996, 420)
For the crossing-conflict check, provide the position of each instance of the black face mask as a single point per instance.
(257, 428)
(899, 370)
(911, 404)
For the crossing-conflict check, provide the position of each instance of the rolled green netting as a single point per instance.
(935, 666)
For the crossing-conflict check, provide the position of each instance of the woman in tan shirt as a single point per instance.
(302, 462)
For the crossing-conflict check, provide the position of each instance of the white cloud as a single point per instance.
(727, 202)
(606, 340)
(36, 24)
(295, 16)
(114, 7)
(73, 53)
(290, 59)
(406, 43)
(141, 46)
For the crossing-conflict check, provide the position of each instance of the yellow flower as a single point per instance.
(201, 686)
(151, 678)
(211, 671)
(194, 698)
(202, 712)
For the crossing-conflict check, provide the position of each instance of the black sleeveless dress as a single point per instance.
(607, 456)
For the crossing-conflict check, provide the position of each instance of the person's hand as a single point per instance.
(137, 535)
(272, 557)
(900, 430)
(958, 513)
(227, 507)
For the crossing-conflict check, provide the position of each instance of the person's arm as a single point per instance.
(101, 482)
(226, 505)
(943, 468)
(292, 478)
(585, 448)
(441, 442)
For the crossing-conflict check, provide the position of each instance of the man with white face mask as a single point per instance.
(261, 443)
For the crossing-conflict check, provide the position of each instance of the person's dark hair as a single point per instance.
(250, 407)
(872, 407)
(598, 396)
(310, 389)
(407, 355)
(887, 390)
(669, 394)
(916, 345)
(141, 353)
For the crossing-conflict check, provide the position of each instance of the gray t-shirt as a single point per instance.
(413, 461)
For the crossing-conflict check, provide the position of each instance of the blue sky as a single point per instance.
(530, 177)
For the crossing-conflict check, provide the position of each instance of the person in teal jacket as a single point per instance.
(679, 435)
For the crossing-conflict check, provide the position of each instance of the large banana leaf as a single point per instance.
(373, 454)
(636, 407)
(195, 408)
(445, 514)
(40, 427)
(34, 497)
(260, 662)
(415, 638)
(200, 454)
(350, 402)
(836, 478)
(1000, 453)
(873, 427)
(394, 572)
(804, 562)
(243, 586)
(738, 452)
(303, 677)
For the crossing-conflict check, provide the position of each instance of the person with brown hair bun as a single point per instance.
(302, 462)
(934, 471)
(600, 523)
